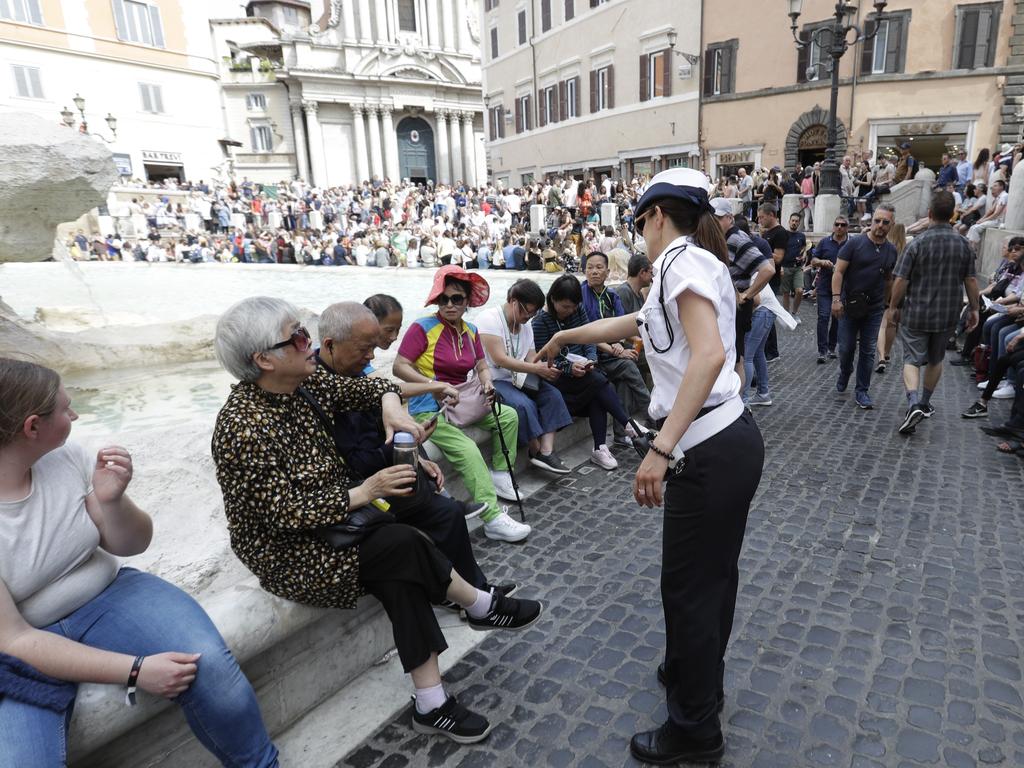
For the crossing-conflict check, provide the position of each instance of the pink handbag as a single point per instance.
(472, 405)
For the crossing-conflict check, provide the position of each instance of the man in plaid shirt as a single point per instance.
(931, 275)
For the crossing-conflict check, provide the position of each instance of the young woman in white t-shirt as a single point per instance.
(67, 608)
(688, 330)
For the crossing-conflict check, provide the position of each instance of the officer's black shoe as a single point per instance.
(667, 745)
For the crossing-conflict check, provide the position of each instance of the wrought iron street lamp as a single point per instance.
(835, 40)
(68, 118)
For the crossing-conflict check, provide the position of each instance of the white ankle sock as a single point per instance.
(429, 699)
(480, 606)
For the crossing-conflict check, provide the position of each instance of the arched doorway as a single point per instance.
(810, 129)
(811, 145)
(416, 150)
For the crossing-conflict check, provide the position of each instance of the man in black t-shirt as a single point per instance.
(778, 238)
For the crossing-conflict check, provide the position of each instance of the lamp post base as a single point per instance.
(830, 180)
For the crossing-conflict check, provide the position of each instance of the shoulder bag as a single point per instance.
(361, 521)
(527, 382)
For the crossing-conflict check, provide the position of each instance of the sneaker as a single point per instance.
(833, 356)
(864, 401)
(549, 462)
(758, 399)
(976, 411)
(506, 588)
(474, 508)
(630, 432)
(797, 319)
(453, 720)
(1004, 392)
(622, 441)
(842, 382)
(822, 359)
(982, 384)
(504, 528)
(503, 485)
(958, 361)
(914, 415)
(928, 409)
(880, 368)
(507, 613)
(603, 458)
(773, 359)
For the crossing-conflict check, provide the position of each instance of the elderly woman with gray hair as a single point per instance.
(284, 484)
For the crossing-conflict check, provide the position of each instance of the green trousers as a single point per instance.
(464, 455)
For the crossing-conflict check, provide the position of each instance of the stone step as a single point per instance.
(298, 658)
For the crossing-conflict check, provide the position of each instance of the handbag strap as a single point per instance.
(328, 425)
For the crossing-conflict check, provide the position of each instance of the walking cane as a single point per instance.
(504, 451)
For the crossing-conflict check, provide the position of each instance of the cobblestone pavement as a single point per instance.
(879, 620)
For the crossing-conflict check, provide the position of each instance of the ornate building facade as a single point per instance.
(339, 91)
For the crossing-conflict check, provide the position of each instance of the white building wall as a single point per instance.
(189, 125)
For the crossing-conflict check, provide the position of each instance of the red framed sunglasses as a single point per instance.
(300, 339)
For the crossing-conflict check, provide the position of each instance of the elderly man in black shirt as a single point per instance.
(931, 274)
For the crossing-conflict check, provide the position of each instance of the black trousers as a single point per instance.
(771, 345)
(706, 510)
(402, 568)
(443, 519)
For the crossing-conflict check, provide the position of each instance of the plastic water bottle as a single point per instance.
(406, 451)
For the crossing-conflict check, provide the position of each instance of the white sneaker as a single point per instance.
(603, 458)
(982, 384)
(797, 319)
(1005, 391)
(503, 485)
(504, 528)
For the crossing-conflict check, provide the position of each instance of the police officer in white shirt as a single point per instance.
(708, 447)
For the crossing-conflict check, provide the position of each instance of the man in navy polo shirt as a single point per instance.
(823, 258)
(862, 273)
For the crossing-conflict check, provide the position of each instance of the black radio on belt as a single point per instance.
(642, 444)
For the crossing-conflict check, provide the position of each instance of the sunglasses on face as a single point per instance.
(882, 221)
(638, 224)
(841, 224)
(299, 339)
(456, 301)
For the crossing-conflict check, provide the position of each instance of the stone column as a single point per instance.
(383, 33)
(373, 126)
(443, 170)
(456, 144)
(365, 28)
(433, 35)
(468, 149)
(391, 168)
(362, 168)
(1015, 204)
(348, 21)
(447, 26)
(461, 27)
(299, 132)
(316, 144)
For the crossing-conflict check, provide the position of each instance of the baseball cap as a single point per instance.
(722, 206)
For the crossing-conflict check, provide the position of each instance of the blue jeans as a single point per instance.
(761, 325)
(140, 614)
(862, 334)
(538, 414)
(828, 326)
(992, 328)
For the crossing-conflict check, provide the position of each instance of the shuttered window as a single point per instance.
(494, 42)
(976, 29)
(138, 23)
(720, 68)
(523, 121)
(25, 11)
(521, 21)
(152, 98)
(27, 83)
(547, 106)
(602, 88)
(570, 9)
(655, 75)
(496, 118)
(886, 53)
(262, 138)
(407, 15)
(545, 15)
(813, 61)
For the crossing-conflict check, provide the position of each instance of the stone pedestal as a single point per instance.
(790, 205)
(1015, 205)
(537, 215)
(826, 208)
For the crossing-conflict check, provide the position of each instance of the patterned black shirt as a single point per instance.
(935, 265)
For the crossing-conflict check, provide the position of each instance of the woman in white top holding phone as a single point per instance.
(688, 329)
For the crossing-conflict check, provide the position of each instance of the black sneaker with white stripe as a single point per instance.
(453, 720)
(506, 588)
(507, 613)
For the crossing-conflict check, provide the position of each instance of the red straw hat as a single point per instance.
(479, 293)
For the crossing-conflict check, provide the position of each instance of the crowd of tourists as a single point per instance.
(329, 494)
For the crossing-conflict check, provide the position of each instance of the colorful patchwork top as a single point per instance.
(440, 352)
